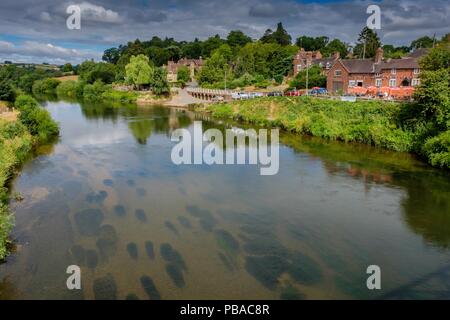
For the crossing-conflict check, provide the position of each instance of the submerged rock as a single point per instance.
(107, 243)
(225, 262)
(304, 269)
(132, 296)
(97, 197)
(266, 269)
(149, 249)
(131, 183)
(132, 250)
(265, 246)
(150, 288)
(169, 225)
(120, 210)
(206, 219)
(291, 293)
(176, 274)
(105, 288)
(141, 192)
(88, 221)
(226, 240)
(171, 255)
(141, 215)
(91, 259)
(108, 182)
(185, 222)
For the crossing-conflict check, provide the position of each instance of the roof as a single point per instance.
(404, 63)
(358, 65)
(419, 53)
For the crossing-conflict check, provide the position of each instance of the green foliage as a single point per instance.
(38, 121)
(7, 92)
(70, 88)
(90, 71)
(159, 84)
(67, 67)
(23, 78)
(280, 36)
(15, 144)
(138, 71)
(315, 78)
(312, 43)
(94, 91)
(236, 38)
(45, 86)
(437, 150)
(368, 43)
(214, 69)
(183, 75)
(422, 42)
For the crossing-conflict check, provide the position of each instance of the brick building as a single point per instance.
(193, 65)
(310, 58)
(350, 73)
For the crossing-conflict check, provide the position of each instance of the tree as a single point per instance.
(159, 83)
(111, 55)
(368, 43)
(211, 44)
(236, 38)
(311, 43)
(214, 69)
(7, 92)
(183, 75)
(280, 36)
(67, 67)
(333, 46)
(138, 72)
(315, 78)
(422, 42)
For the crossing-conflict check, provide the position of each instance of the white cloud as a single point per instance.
(92, 12)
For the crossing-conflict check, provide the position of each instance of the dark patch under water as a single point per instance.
(140, 215)
(150, 288)
(176, 274)
(169, 225)
(105, 288)
(108, 182)
(91, 258)
(132, 250)
(185, 222)
(107, 242)
(120, 210)
(98, 197)
(149, 249)
(88, 221)
(171, 255)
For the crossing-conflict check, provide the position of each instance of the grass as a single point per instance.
(368, 122)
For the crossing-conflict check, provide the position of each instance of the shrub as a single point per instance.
(7, 92)
(45, 86)
(437, 150)
(37, 120)
(94, 91)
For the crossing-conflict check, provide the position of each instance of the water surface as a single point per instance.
(107, 197)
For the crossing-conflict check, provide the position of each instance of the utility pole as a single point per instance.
(225, 79)
(307, 75)
(364, 51)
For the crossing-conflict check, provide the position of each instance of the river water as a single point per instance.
(107, 197)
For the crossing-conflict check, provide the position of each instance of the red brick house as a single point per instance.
(349, 73)
(310, 58)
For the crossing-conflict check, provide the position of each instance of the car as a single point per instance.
(235, 96)
(244, 95)
(275, 94)
(217, 99)
(292, 93)
(256, 94)
(318, 91)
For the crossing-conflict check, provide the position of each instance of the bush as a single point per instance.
(437, 150)
(45, 86)
(70, 88)
(94, 91)
(38, 121)
(7, 92)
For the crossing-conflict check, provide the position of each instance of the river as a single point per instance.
(107, 197)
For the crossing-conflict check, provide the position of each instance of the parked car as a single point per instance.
(217, 99)
(256, 94)
(235, 96)
(244, 95)
(318, 91)
(275, 94)
(292, 93)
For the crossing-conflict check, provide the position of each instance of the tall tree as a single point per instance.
(236, 38)
(368, 43)
(311, 43)
(422, 42)
(280, 36)
(138, 71)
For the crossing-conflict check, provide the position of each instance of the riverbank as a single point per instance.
(373, 123)
(32, 126)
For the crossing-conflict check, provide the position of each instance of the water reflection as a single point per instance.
(107, 197)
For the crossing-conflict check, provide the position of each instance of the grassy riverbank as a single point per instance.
(17, 138)
(370, 122)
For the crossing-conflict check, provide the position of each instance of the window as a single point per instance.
(351, 83)
(299, 67)
(393, 71)
(392, 82)
(416, 71)
(359, 83)
(415, 82)
(378, 82)
(337, 73)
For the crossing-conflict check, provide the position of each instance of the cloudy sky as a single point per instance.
(35, 31)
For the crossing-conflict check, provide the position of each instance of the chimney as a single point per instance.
(336, 55)
(379, 55)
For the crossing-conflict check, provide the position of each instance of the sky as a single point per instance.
(36, 31)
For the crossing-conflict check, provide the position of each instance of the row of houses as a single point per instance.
(343, 75)
(172, 67)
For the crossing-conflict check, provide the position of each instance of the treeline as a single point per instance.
(239, 60)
